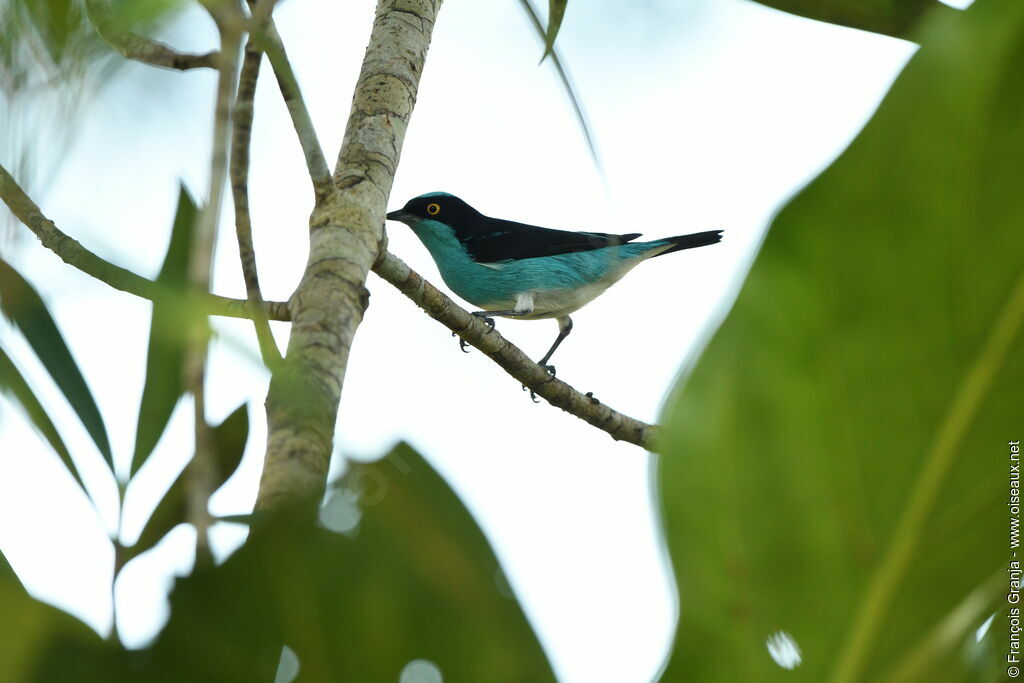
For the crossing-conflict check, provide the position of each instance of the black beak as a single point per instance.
(399, 215)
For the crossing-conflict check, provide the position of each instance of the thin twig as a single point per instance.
(510, 357)
(268, 39)
(240, 193)
(201, 470)
(133, 46)
(74, 254)
(563, 75)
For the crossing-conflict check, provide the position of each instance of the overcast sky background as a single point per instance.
(708, 114)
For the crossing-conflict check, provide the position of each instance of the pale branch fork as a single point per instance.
(347, 239)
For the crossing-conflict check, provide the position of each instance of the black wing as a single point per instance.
(494, 240)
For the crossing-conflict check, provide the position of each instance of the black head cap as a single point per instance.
(438, 206)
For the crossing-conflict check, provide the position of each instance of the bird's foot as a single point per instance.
(593, 399)
(462, 343)
(550, 369)
(489, 321)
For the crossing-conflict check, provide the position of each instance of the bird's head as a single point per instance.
(438, 207)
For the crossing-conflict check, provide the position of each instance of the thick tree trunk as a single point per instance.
(346, 231)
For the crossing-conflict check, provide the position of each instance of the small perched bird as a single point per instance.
(521, 271)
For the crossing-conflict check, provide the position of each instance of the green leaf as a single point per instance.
(563, 75)
(6, 571)
(42, 644)
(56, 23)
(169, 513)
(415, 580)
(229, 438)
(556, 12)
(169, 332)
(12, 382)
(890, 17)
(23, 307)
(837, 465)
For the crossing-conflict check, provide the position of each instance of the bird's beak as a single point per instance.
(398, 215)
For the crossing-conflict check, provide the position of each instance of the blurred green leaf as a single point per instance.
(41, 644)
(172, 323)
(836, 467)
(141, 15)
(229, 438)
(890, 17)
(6, 571)
(169, 513)
(21, 305)
(59, 25)
(55, 21)
(62, 29)
(12, 382)
(416, 580)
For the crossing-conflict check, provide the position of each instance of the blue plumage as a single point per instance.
(523, 271)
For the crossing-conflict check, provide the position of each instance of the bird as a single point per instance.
(526, 272)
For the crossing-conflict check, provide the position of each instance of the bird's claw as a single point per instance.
(462, 343)
(487, 320)
(550, 369)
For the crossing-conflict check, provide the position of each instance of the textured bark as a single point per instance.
(240, 141)
(346, 230)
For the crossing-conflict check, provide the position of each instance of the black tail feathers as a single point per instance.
(697, 239)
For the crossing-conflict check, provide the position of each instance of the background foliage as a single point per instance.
(836, 465)
(832, 467)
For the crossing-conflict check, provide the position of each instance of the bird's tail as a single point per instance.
(697, 239)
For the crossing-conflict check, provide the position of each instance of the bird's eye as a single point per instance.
(433, 209)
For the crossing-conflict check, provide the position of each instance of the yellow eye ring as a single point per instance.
(433, 209)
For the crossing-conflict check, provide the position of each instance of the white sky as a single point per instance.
(707, 115)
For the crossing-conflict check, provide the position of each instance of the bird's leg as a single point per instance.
(564, 328)
(488, 320)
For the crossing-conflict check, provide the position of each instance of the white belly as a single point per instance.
(554, 303)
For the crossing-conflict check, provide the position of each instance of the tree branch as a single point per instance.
(201, 472)
(269, 41)
(240, 194)
(346, 230)
(133, 46)
(512, 359)
(74, 254)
